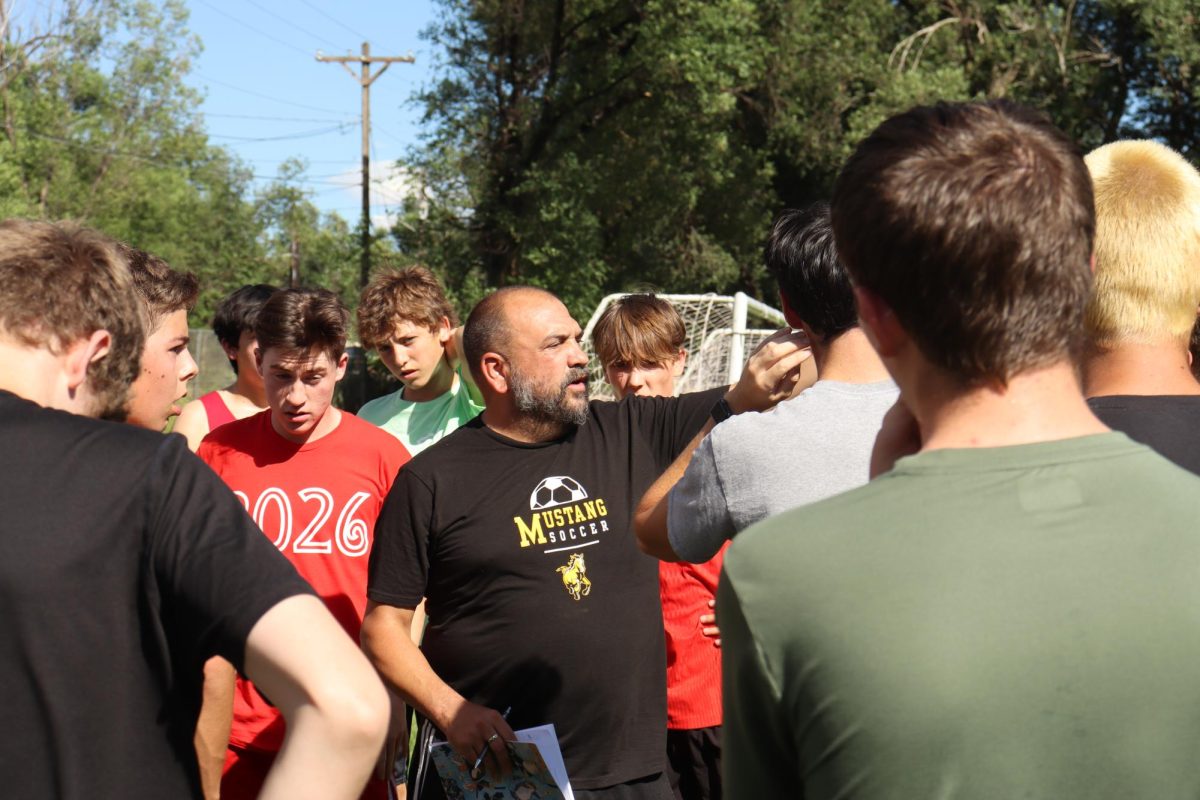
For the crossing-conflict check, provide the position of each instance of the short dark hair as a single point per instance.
(1194, 349)
(60, 283)
(161, 289)
(639, 328)
(238, 312)
(394, 296)
(974, 223)
(488, 329)
(802, 256)
(298, 320)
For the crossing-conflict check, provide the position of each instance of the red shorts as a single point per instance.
(246, 771)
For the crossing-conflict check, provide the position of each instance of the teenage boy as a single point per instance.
(1011, 611)
(405, 316)
(233, 324)
(167, 365)
(125, 564)
(807, 448)
(313, 478)
(1140, 317)
(639, 340)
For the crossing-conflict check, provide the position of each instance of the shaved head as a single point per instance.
(489, 328)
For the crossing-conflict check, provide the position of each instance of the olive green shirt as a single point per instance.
(1016, 622)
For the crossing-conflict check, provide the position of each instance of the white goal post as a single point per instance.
(722, 331)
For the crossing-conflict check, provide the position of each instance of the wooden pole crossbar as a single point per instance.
(365, 79)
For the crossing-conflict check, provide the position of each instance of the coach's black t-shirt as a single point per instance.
(1169, 424)
(538, 597)
(124, 565)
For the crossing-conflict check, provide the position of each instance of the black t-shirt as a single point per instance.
(1169, 424)
(124, 565)
(538, 597)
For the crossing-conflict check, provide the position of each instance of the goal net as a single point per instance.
(722, 331)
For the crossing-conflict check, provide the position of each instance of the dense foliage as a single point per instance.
(600, 145)
(97, 124)
(587, 146)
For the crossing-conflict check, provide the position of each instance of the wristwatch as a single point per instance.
(721, 411)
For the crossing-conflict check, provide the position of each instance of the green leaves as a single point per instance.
(602, 145)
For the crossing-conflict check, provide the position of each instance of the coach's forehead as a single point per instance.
(532, 315)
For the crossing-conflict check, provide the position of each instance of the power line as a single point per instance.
(149, 159)
(393, 137)
(364, 79)
(259, 31)
(302, 135)
(267, 96)
(336, 21)
(343, 120)
(291, 24)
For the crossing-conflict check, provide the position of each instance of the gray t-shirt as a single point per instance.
(754, 466)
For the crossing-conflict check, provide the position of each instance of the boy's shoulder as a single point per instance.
(382, 408)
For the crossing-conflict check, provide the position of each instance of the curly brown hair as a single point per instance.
(405, 295)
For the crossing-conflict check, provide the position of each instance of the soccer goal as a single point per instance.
(722, 331)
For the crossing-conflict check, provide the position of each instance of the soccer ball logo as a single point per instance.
(556, 491)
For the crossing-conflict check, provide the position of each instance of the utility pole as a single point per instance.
(365, 79)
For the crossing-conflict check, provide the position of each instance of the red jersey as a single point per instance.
(318, 503)
(693, 661)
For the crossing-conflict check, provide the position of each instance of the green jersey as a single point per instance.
(1015, 622)
(418, 425)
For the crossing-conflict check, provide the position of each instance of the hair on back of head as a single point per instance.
(639, 329)
(405, 295)
(162, 290)
(1147, 244)
(802, 256)
(238, 312)
(488, 328)
(60, 283)
(298, 321)
(973, 222)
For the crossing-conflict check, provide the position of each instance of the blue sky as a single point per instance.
(261, 81)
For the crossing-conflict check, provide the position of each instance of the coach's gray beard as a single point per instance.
(549, 406)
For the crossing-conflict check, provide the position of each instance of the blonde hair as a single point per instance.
(1147, 244)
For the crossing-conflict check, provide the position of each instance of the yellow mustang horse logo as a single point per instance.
(574, 576)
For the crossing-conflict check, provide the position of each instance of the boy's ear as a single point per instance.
(879, 322)
(680, 363)
(444, 330)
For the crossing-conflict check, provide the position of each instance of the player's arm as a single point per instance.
(469, 727)
(454, 354)
(192, 422)
(898, 436)
(770, 375)
(212, 727)
(335, 707)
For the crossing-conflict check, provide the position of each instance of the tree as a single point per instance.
(98, 126)
(602, 145)
(590, 146)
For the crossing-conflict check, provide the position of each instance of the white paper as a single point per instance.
(546, 740)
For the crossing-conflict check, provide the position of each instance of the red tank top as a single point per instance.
(218, 413)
